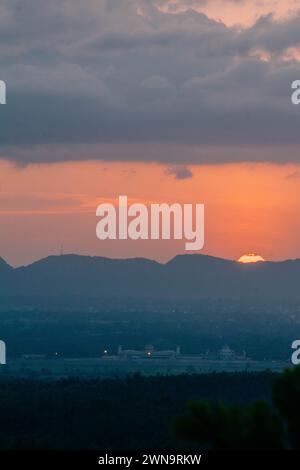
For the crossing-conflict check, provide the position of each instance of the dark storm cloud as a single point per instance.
(118, 79)
(179, 172)
(274, 36)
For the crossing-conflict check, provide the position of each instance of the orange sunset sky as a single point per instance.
(161, 100)
(249, 207)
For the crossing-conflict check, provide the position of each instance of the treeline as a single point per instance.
(131, 413)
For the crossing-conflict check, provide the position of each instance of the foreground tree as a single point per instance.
(286, 397)
(256, 426)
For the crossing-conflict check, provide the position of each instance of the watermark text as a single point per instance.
(157, 222)
(2, 92)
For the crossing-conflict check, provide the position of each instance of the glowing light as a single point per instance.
(250, 258)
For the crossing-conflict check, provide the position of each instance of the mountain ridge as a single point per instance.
(93, 279)
(144, 259)
(4, 265)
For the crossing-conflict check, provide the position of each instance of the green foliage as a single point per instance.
(231, 427)
(135, 413)
(286, 396)
(256, 426)
(130, 413)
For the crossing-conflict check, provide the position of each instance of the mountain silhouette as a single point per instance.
(71, 278)
(4, 267)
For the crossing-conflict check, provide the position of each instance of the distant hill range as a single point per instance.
(69, 279)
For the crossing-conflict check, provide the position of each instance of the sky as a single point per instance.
(164, 101)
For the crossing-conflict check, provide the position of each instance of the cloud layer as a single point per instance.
(122, 79)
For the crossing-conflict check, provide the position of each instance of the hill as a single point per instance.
(186, 277)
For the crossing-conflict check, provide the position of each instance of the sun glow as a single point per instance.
(250, 258)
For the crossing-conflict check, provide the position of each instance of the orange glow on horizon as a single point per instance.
(246, 205)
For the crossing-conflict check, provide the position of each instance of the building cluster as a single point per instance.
(148, 352)
(224, 354)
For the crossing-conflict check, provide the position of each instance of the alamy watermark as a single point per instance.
(2, 92)
(2, 353)
(156, 222)
(296, 354)
(296, 93)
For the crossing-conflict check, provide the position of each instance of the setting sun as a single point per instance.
(250, 258)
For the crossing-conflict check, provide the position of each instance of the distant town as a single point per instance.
(126, 362)
(149, 352)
